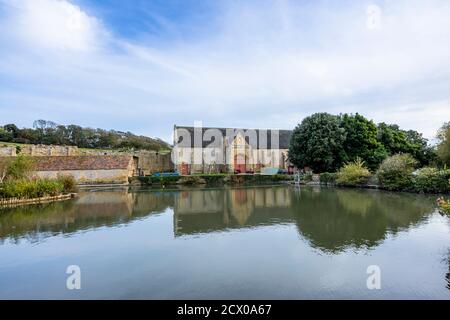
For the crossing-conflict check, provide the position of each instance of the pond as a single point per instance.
(270, 242)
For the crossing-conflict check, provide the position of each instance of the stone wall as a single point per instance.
(149, 161)
(7, 151)
(43, 150)
(114, 176)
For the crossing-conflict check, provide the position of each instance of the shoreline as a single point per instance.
(14, 202)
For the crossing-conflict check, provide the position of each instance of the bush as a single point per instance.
(353, 174)
(328, 178)
(307, 177)
(31, 188)
(395, 172)
(19, 168)
(69, 183)
(444, 205)
(432, 180)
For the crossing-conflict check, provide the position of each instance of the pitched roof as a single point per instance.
(106, 162)
(284, 137)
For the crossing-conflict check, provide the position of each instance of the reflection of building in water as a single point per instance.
(199, 211)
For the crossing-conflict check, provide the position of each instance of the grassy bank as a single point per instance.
(17, 181)
(212, 179)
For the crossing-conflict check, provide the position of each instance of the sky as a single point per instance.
(143, 66)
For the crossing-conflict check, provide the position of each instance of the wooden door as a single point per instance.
(239, 163)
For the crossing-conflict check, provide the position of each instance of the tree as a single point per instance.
(5, 135)
(318, 143)
(443, 148)
(12, 129)
(396, 141)
(48, 132)
(418, 147)
(361, 140)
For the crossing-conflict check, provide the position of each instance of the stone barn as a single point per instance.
(107, 169)
(213, 150)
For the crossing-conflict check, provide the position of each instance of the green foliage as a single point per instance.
(432, 180)
(307, 177)
(5, 135)
(19, 168)
(325, 142)
(353, 174)
(444, 205)
(31, 188)
(396, 141)
(69, 183)
(318, 143)
(443, 148)
(361, 140)
(328, 178)
(47, 132)
(395, 172)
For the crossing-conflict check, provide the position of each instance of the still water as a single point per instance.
(275, 242)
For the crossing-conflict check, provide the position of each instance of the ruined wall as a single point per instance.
(43, 150)
(151, 162)
(7, 151)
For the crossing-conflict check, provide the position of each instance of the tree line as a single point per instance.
(325, 142)
(50, 133)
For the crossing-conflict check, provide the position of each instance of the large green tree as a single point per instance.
(361, 140)
(318, 143)
(396, 141)
(443, 148)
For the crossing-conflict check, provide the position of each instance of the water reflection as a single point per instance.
(330, 219)
(335, 219)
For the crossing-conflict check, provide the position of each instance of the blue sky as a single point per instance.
(144, 66)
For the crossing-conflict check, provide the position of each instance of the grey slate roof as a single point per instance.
(258, 143)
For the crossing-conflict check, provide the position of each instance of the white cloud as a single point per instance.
(265, 65)
(55, 24)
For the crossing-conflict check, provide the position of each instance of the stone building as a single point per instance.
(214, 150)
(107, 169)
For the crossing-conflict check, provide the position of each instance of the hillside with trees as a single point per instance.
(50, 133)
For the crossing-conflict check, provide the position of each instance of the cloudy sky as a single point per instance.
(144, 66)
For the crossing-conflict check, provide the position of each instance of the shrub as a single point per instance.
(307, 177)
(395, 172)
(31, 188)
(69, 183)
(19, 168)
(444, 205)
(328, 178)
(432, 180)
(353, 174)
(191, 180)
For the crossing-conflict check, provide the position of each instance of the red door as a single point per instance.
(239, 163)
(184, 169)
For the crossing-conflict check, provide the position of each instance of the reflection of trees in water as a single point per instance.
(90, 210)
(331, 219)
(334, 219)
(447, 275)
